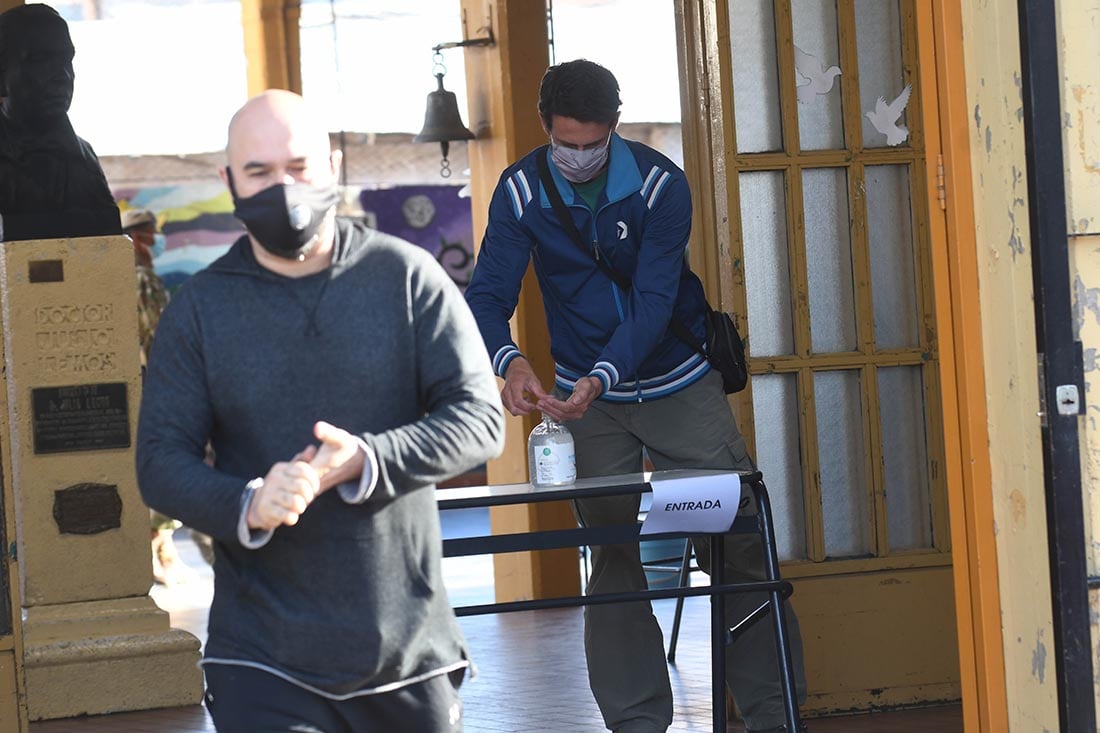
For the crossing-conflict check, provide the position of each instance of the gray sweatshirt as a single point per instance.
(381, 344)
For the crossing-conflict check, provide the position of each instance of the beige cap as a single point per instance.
(137, 217)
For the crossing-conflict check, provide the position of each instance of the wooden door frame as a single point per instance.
(958, 307)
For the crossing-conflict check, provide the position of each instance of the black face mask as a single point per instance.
(284, 218)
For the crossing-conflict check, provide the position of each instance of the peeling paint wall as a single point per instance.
(998, 163)
(1079, 59)
(1085, 267)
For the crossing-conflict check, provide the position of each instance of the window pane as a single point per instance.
(878, 47)
(829, 258)
(778, 453)
(355, 73)
(845, 500)
(755, 76)
(816, 60)
(767, 272)
(155, 78)
(905, 457)
(893, 270)
(649, 82)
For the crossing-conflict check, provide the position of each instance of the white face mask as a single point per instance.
(579, 166)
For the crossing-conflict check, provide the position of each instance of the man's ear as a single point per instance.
(227, 178)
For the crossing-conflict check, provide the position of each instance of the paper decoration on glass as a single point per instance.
(885, 117)
(821, 79)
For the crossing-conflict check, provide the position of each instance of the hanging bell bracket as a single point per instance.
(442, 122)
(487, 40)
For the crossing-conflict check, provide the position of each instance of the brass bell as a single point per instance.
(443, 123)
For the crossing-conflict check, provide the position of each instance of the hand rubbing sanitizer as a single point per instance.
(550, 455)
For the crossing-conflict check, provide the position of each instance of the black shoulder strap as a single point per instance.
(678, 329)
(567, 222)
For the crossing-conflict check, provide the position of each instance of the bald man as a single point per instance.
(338, 375)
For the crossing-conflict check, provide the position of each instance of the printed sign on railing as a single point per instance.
(703, 504)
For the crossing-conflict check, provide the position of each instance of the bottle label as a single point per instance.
(555, 463)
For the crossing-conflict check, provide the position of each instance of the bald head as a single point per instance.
(276, 138)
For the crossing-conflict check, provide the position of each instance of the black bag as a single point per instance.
(725, 351)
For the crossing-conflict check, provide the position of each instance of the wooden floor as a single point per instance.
(531, 671)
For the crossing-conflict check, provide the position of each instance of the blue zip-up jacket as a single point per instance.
(640, 228)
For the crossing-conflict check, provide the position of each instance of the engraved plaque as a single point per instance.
(79, 418)
(87, 508)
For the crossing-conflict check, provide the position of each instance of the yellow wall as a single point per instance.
(1079, 56)
(1008, 332)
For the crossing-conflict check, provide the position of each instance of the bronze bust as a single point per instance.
(51, 183)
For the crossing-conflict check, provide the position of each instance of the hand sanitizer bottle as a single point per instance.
(550, 455)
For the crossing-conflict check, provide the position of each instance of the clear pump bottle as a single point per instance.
(550, 455)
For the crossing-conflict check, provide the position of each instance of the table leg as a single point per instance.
(718, 634)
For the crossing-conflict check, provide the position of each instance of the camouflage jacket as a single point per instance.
(152, 297)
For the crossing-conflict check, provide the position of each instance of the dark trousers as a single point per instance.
(247, 700)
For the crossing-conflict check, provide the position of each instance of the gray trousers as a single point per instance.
(693, 428)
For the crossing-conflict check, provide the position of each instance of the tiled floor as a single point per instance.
(531, 668)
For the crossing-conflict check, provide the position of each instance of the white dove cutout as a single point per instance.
(821, 79)
(885, 117)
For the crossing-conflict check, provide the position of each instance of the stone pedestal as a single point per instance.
(94, 642)
(13, 702)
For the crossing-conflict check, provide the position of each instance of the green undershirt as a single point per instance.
(590, 191)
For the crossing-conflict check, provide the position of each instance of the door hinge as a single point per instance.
(941, 182)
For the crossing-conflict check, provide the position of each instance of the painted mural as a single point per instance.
(436, 218)
(198, 223)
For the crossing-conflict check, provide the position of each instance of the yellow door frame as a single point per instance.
(958, 314)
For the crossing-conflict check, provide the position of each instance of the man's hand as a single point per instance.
(522, 389)
(585, 391)
(287, 490)
(340, 457)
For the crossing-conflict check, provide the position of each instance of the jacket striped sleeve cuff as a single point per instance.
(503, 358)
(606, 372)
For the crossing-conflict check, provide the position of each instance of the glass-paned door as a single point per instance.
(827, 153)
(817, 201)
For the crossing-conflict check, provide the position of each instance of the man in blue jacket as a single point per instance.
(338, 375)
(623, 380)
